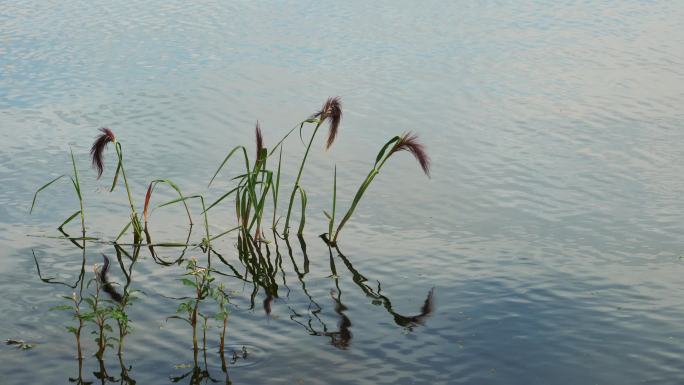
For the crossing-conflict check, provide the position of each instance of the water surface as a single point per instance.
(550, 232)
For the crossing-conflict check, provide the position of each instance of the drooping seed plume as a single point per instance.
(409, 142)
(97, 150)
(331, 111)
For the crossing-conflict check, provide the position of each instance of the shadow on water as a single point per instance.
(101, 306)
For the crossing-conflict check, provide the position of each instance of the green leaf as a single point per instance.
(116, 175)
(384, 148)
(228, 157)
(180, 194)
(62, 307)
(69, 219)
(302, 220)
(123, 231)
(43, 187)
(188, 282)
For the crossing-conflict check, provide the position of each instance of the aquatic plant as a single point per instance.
(97, 155)
(100, 313)
(222, 300)
(332, 112)
(122, 301)
(406, 142)
(75, 308)
(254, 186)
(246, 196)
(199, 278)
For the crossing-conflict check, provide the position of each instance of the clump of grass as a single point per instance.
(406, 142)
(252, 189)
(332, 112)
(253, 185)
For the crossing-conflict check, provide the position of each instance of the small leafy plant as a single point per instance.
(199, 278)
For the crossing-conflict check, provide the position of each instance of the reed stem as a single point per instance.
(299, 176)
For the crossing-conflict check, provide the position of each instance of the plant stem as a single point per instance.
(134, 214)
(358, 196)
(299, 175)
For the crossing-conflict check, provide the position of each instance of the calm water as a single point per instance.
(550, 231)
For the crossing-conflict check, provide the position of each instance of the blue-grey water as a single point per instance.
(551, 229)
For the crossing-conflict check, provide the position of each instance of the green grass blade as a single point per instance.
(302, 220)
(77, 184)
(228, 157)
(276, 188)
(69, 219)
(180, 195)
(43, 187)
(224, 233)
(224, 196)
(123, 231)
(116, 176)
(384, 148)
(332, 217)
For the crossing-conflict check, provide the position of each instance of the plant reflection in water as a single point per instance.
(258, 264)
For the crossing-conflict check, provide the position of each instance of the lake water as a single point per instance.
(550, 232)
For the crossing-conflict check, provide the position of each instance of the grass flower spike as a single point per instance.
(332, 111)
(97, 150)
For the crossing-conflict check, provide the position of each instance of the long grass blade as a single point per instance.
(230, 154)
(69, 219)
(116, 175)
(302, 220)
(276, 188)
(75, 180)
(123, 231)
(384, 148)
(224, 196)
(43, 187)
(225, 232)
(151, 187)
(332, 217)
(148, 195)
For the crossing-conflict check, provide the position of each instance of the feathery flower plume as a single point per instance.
(331, 110)
(259, 139)
(98, 148)
(409, 142)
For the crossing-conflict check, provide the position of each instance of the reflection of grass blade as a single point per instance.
(302, 220)
(43, 187)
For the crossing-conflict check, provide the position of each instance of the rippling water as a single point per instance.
(550, 233)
